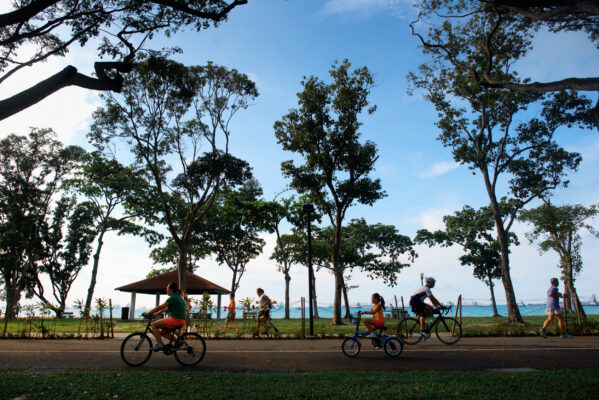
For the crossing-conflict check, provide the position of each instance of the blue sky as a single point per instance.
(277, 43)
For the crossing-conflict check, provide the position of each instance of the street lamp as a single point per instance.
(309, 209)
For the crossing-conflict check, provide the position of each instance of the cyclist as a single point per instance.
(377, 311)
(175, 306)
(265, 305)
(231, 314)
(420, 307)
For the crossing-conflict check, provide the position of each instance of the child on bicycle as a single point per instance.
(175, 306)
(420, 307)
(377, 312)
(231, 314)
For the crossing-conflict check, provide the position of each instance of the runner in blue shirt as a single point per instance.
(553, 309)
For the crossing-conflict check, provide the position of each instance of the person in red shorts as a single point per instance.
(377, 311)
(175, 306)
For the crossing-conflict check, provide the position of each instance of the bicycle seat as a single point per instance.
(383, 328)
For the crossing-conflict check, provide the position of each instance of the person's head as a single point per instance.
(377, 298)
(260, 291)
(172, 288)
(430, 282)
(232, 296)
(554, 281)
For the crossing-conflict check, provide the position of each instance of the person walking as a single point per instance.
(231, 315)
(553, 310)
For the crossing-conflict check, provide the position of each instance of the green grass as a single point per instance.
(479, 385)
(472, 326)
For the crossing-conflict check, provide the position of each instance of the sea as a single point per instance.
(467, 311)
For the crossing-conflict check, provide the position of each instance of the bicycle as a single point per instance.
(351, 346)
(267, 324)
(447, 329)
(188, 348)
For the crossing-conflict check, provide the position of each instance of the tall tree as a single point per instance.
(53, 27)
(473, 230)
(490, 129)
(66, 250)
(558, 229)
(170, 114)
(324, 131)
(106, 185)
(523, 19)
(31, 171)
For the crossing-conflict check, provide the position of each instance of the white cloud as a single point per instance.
(432, 219)
(440, 169)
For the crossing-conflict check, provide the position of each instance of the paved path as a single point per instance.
(311, 355)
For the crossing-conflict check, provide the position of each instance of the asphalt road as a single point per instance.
(281, 356)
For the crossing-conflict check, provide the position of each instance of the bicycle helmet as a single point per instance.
(430, 279)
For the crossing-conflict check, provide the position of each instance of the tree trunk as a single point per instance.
(233, 281)
(182, 266)
(12, 300)
(337, 272)
(345, 298)
(315, 303)
(92, 283)
(575, 301)
(493, 303)
(512, 306)
(287, 280)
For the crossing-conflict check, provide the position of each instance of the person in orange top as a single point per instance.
(231, 314)
(377, 311)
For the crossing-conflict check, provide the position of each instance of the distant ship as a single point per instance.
(593, 301)
(521, 304)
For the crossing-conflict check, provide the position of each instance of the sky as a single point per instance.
(277, 43)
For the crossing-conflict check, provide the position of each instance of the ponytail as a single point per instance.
(380, 299)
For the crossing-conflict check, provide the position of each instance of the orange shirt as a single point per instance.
(231, 306)
(378, 312)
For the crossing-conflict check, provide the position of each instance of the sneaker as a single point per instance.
(566, 336)
(157, 348)
(372, 335)
(425, 335)
(543, 333)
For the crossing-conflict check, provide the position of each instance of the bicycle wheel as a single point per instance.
(448, 330)
(192, 349)
(408, 330)
(393, 346)
(136, 349)
(351, 346)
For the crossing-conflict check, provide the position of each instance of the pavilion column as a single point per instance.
(218, 308)
(157, 299)
(132, 310)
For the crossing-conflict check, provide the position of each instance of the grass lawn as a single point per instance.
(472, 326)
(555, 385)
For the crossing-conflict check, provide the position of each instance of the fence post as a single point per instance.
(458, 308)
(303, 301)
(111, 322)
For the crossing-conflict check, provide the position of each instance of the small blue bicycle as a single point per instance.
(393, 345)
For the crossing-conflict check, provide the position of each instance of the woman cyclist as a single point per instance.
(377, 311)
(175, 306)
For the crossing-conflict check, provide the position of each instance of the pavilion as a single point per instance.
(156, 285)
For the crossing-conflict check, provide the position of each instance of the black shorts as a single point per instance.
(264, 314)
(418, 306)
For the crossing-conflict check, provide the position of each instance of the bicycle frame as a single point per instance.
(379, 334)
(168, 348)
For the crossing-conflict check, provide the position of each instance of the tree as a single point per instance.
(106, 185)
(487, 128)
(324, 131)
(373, 249)
(232, 228)
(169, 113)
(521, 20)
(63, 257)
(31, 171)
(52, 27)
(558, 229)
(473, 230)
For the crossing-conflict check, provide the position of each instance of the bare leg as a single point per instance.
(157, 328)
(369, 323)
(549, 319)
(226, 323)
(560, 322)
(236, 327)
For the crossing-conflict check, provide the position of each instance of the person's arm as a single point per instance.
(157, 310)
(435, 302)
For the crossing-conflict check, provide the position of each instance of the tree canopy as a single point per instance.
(121, 27)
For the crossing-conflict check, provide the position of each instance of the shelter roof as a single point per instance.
(158, 283)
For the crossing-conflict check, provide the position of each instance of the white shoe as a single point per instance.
(543, 333)
(425, 335)
(566, 336)
(372, 335)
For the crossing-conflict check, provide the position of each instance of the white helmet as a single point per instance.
(430, 279)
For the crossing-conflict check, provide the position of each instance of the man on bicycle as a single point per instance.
(175, 306)
(420, 307)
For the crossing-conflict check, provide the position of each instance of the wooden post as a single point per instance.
(111, 323)
(458, 308)
(396, 307)
(403, 307)
(303, 301)
(218, 302)
(157, 299)
(132, 310)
